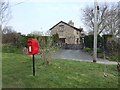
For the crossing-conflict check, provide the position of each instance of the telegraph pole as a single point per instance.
(0, 56)
(95, 31)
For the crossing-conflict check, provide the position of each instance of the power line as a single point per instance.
(19, 3)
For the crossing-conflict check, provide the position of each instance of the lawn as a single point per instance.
(17, 73)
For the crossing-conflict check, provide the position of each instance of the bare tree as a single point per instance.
(107, 18)
(47, 33)
(112, 21)
(4, 13)
(8, 29)
(8, 35)
(46, 49)
(38, 33)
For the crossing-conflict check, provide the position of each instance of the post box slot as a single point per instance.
(29, 42)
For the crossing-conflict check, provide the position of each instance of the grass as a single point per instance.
(17, 73)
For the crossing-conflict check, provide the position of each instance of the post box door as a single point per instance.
(32, 46)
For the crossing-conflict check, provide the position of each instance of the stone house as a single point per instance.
(68, 34)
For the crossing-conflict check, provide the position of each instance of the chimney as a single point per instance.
(19, 33)
(81, 28)
(71, 23)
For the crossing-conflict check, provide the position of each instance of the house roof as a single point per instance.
(67, 25)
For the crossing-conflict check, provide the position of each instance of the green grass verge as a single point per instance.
(17, 73)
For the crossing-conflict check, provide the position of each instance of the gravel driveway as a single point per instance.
(78, 55)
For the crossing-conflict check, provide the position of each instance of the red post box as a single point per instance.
(32, 46)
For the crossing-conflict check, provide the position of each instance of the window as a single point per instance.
(77, 41)
(61, 27)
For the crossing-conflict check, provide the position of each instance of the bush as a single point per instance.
(23, 40)
(99, 50)
(45, 41)
(87, 49)
(55, 39)
(105, 38)
(10, 49)
(89, 40)
(115, 58)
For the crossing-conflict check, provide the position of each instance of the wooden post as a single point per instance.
(95, 32)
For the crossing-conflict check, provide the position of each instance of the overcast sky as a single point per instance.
(41, 15)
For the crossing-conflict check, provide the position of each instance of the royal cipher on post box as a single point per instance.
(32, 46)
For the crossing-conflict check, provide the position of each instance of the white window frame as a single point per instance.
(61, 27)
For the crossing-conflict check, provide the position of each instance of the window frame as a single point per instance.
(61, 27)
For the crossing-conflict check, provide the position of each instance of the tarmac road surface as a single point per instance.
(78, 55)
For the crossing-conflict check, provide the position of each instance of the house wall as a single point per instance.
(69, 33)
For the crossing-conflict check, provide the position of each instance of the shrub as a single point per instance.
(105, 38)
(115, 58)
(10, 49)
(99, 50)
(87, 49)
(55, 39)
(89, 40)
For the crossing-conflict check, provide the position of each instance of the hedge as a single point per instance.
(101, 41)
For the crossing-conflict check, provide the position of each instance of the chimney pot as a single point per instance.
(71, 23)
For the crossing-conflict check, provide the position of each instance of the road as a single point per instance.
(78, 55)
